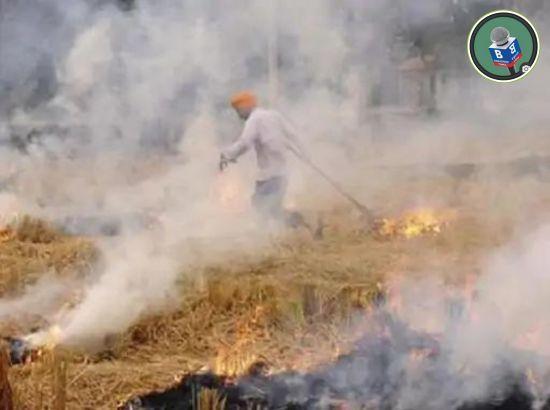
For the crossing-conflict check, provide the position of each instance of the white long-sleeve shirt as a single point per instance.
(272, 136)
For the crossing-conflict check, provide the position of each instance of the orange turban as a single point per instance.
(244, 99)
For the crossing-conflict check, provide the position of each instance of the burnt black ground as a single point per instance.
(371, 376)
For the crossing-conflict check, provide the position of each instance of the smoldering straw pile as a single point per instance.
(446, 349)
(371, 376)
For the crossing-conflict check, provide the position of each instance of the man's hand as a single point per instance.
(224, 162)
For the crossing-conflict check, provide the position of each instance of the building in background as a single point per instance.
(426, 52)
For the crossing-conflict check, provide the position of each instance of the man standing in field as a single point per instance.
(272, 138)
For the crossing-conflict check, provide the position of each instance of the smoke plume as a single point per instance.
(132, 111)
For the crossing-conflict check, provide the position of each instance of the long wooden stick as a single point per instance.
(362, 208)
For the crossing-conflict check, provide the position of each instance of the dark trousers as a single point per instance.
(268, 201)
(268, 197)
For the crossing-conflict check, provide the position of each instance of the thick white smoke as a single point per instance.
(125, 81)
(135, 85)
(489, 334)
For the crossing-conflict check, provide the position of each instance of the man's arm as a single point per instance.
(243, 143)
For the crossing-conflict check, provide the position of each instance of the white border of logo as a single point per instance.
(470, 39)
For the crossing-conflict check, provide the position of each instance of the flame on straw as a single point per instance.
(415, 223)
(230, 193)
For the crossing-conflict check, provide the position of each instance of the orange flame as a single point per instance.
(415, 223)
(6, 234)
(47, 339)
(235, 359)
(232, 363)
(230, 193)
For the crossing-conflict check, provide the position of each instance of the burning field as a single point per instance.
(154, 286)
(352, 320)
(414, 223)
(387, 250)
